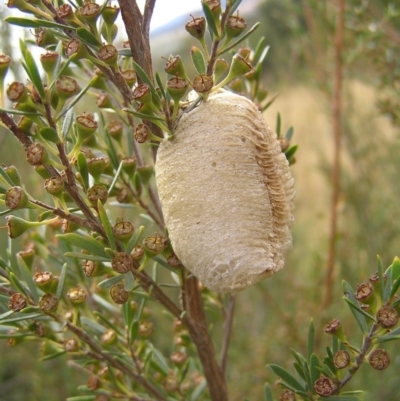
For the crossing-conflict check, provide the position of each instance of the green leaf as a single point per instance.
(356, 307)
(108, 283)
(133, 331)
(290, 380)
(234, 6)
(161, 86)
(299, 370)
(289, 134)
(269, 103)
(134, 240)
(82, 398)
(198, 390)
(15, 281)
(35, 23)
(19, 112)
(108, 323)
(314, 368)
(342, 398)
(268, 393)
(61, 282)
(394, 288)
(111, 152)
(85, 242)
(106, 224)
(49, 134)
(159, 362)
(291, 151)
(53, 356)
(311, 339)
(115, 179)
(357, 312)
(395, 267)
(198, 60)
(387, 287)
(86, 256)
(393, 335)
(278, 125)
(380, 275)
(6, 177)
(90, 323)
(67, 123)
(31, 69)
(241, 39)
(18, 317)
(211, 24)
(145, 79)
(86, 36)
(6, 314)
(78, 97)
(27, 276)
(143, 116)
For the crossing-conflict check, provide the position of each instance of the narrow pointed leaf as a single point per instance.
(85, 242)
(83, 170)
(234, 6)
(134, 240)
(35, 23)
(211, 25)
(268, 393)
(19, 112)
(86, 36)
(143, 116)
(85, 256)
(19, 317)
(129, 281)
(314, 368)
(133, 331)
(61, 282)
(106, 224)
(287, 377)
(27, 275)
(15, 281)
(241, 39)
(289, 134)
(311, 339)
(116, 176)
(359, 316)
(67, 123)
(32, 70)
(198, 60)
(108, 283)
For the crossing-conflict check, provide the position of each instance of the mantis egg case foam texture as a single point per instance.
(227, 193)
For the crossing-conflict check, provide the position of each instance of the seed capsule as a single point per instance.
(227, 193)
(17, 302)
(379, 359)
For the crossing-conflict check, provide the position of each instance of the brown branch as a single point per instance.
(148, 13)
(197, 327)
(115, 363)
(140, 46)
(227, 333)
(10, 124)
(337, 133)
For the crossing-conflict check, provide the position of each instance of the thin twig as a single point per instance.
(337, 134)
(114, 362)
(227, 332)
(148, 13)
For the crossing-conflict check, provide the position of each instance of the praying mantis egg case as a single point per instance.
(226, 193)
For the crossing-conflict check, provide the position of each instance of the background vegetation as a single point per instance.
(273, 316)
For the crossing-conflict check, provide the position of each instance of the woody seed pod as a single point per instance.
(17, 302)
(379, 359)
(227, 193)
(287, 395)
(324, 386)
(16, 198)
(122, 262)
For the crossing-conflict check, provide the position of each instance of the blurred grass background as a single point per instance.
(273, 317)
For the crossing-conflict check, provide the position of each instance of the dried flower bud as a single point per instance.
(324, 386)
(86, 125)
(76, 295)
(175, 67)
(109, 55)
(142, 94)
(17, 92)
(196, 27)
(71, 345)
(287, 395)
(90, 11)
(103, 101)
(142, 133)
(17, 302)
(44, 37)
(5, 62)
(49, 61)
(379, 359)
(334, 327)
(97, 192)
(110, 14)
(203, 210)
(54, 185)
(43, 280)
(179, 358)
(173, 261)
(137, 252)
(75, 48)
(146, 329)
(16, 198)
(130, 76)
(171, 383)
(387, 317)
(235, 25)
(154, 244)
(122, 262)
(118, 294)
(66, 12)
(129, 165)
(341, 359)
(123, 231)
(48, 302)
(36, 154)
(93, 382)
(202, 83)
(66, 87)
(364, 292)
(124, 195)
(115, 129)
(109, 337)
(177, 88)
